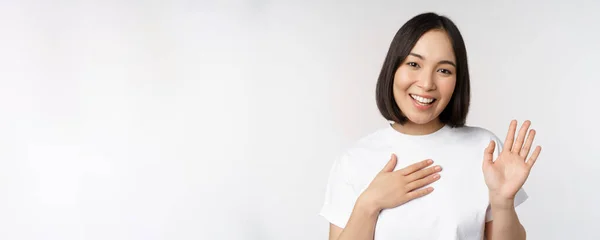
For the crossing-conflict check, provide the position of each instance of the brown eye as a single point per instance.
(445, 71)
(413, 64)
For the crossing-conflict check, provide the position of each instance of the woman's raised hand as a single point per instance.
(507, 174)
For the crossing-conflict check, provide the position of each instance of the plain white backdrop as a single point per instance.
(220, 119)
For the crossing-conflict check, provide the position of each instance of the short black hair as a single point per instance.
(455, 113)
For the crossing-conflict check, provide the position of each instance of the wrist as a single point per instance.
(367, 206)
(500, 202)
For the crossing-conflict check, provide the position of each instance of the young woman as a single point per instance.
(444, 180)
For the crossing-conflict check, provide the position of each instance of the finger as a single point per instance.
(527, 147)
(521, 137)
(534, 156)
(391, 164)
(488, 153)
(415, 167)
(510, 136)
(423, 173)
(422, 182)
(419, 193)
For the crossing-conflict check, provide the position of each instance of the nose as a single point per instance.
(426, 81)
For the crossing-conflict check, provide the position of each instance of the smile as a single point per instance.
(422, 100)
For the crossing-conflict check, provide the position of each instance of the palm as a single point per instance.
(507, 174)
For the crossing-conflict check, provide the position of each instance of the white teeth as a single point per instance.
(422, 99)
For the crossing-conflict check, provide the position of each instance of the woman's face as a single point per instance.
(424, 82)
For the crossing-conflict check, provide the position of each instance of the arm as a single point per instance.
(504, 177)
(506, 225)
(361, 225)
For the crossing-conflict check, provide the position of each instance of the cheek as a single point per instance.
(446, 87)
(401, 80)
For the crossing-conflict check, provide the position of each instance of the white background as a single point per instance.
(220, 120)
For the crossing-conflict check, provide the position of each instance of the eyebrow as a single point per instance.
(441, 62)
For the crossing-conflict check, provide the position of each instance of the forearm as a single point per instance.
(506, 223)
(361, 225)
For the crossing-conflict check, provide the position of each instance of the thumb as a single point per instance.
(488, 155)
(389, 167)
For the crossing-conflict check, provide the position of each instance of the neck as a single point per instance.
(412, 128)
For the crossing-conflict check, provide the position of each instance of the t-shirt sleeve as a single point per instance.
(340, 195)
(521, 195)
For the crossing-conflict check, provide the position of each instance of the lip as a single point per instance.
(422, 95)
(419, 106)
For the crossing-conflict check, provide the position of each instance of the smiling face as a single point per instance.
(425, 81)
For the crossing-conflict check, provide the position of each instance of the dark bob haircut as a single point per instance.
(455, 113)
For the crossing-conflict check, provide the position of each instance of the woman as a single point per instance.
(423, 90)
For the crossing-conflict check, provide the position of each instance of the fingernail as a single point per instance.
(437, 168)
(429, 161)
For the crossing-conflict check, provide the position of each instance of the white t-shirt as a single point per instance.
(456, 210)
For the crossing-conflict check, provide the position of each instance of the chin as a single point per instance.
(420, 119)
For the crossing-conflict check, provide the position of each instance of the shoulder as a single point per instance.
(367, 151)
(375, 141)
(477, 137)
(475, 133)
